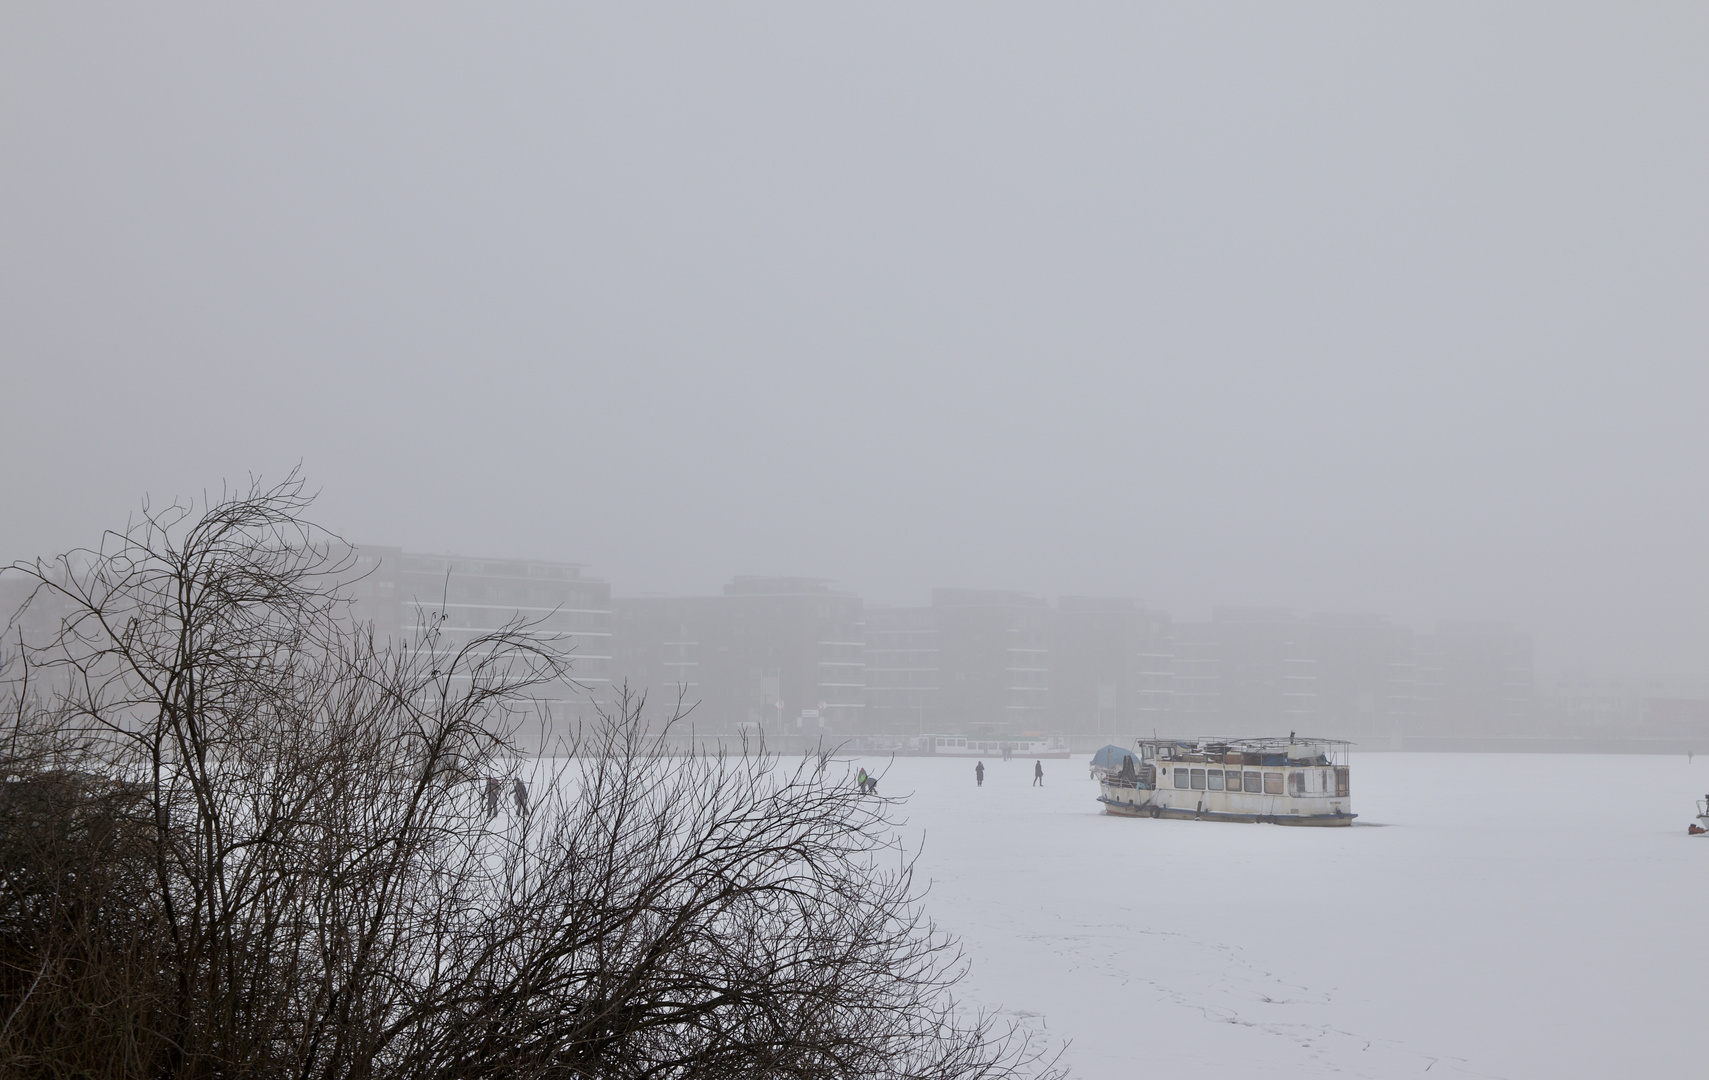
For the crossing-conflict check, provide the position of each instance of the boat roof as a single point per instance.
(1277, 743)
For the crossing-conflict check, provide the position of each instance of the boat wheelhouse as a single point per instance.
(1291, 781)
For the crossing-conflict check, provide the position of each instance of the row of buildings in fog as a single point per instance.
(793, 655)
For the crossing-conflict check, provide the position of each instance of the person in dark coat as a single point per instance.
(495, 789)
(979, 774)
(860, 781)
(1038, 774)
(520, 791)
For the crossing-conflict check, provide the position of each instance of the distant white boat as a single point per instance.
(1025, 745)
(1291, 781)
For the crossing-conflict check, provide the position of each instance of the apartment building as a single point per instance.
(1367, 677)
(993, 661)
(401, 592)
(1112, 667)
(1476, 679)
(902, 672)
(770, 654)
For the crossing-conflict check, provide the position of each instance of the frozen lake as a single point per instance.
(1498, 923)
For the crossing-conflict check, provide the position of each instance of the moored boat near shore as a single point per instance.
(1024, 745)
(1291, 781)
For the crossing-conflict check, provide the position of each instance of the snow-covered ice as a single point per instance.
(1493, 915)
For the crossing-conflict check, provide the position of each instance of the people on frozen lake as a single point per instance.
(979, 775)
(1038, 774)
(519, 791)
(863, 782)
(495, 791)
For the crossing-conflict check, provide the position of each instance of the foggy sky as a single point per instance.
(1394, 308)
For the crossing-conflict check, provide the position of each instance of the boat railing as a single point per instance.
(1118, 780)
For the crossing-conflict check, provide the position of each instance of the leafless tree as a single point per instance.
(244, 838)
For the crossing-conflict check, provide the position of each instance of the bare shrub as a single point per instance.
(243, 838)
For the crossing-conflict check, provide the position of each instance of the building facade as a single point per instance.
(771, 654)
(402, 593)
(993, 661)
(902, 673)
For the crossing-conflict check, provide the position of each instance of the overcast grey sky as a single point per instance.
(1351, 306)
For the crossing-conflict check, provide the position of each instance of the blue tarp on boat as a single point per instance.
(1110, 757)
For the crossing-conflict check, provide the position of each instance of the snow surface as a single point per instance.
(1486, 918)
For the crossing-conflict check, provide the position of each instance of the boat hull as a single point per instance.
(1119, 808)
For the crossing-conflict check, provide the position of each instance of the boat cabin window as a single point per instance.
(1180, 777)
(1213, 779)
(1296, 784)
(1198, 779)
(1255, 783)
(1341, 781)
(1272, 783)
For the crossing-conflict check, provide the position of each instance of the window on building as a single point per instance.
(1255, 783)
(1213, 780)
(1272, 783)
(1180, 777)
(1198, 779)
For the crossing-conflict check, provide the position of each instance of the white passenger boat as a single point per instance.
(1291, 781)
(1024, 745)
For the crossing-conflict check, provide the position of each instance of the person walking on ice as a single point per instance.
(860, 780)
(1038, 774)
(979, 775)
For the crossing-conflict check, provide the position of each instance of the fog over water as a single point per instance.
(1327, 306)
